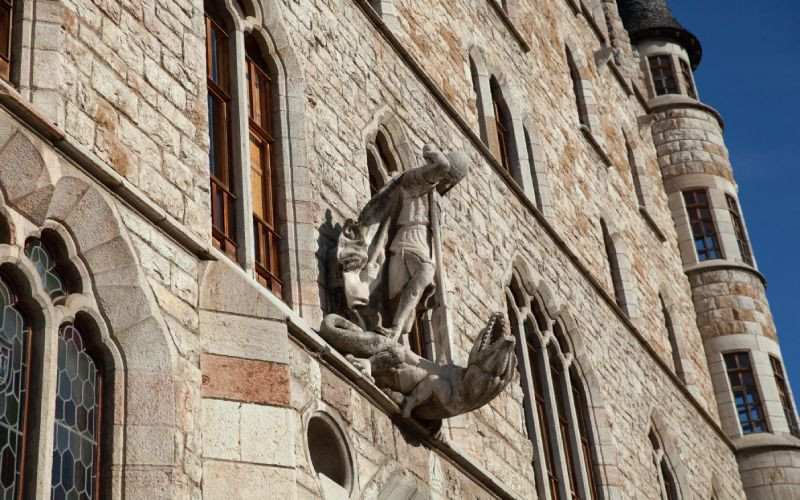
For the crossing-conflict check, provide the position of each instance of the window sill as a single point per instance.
(652, 223)
(587, 133)
(510, 25)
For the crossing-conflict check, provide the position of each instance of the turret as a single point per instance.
(755, 404)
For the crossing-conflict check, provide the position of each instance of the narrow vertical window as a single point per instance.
(262, 176)
(15, 338)
(637, 182)
(706, 241)
(673, 340)
(663, 73)
(541, 413)
(738, 229)
(416, 337)
(583, 431)
(6, 22)
(223, 197)
(745, 393)
(503, 125)
(613, 265)
(786, 398)
(76, 448)
(686, 72)
(380, 163)
(534, 174)
(577, 89)
(557, 376)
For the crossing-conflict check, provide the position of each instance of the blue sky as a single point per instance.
(750, 73)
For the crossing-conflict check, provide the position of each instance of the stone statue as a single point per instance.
(391, 265)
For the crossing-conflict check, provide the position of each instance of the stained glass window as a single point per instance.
(76, 447)
(45, 263)
(14, 362)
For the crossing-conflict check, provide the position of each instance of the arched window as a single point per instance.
(76, 444)
(677, 362)
(537, 192)
(666, 476)
(503, 126)
(381, 164)
(15, 339)
(262, 177)
(738, 229)
(579, 91)
(637, 183)
(614, 267)
(220, 112)
(556, 410)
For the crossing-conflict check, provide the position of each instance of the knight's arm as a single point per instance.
(432, 173)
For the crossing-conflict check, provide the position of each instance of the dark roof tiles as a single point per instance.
(653, 19)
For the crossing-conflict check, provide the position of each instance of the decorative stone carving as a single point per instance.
(391, 266)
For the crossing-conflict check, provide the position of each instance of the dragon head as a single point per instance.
(491, 362)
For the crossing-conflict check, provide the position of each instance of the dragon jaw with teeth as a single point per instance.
(423, 388)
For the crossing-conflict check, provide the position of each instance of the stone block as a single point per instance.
(244, 337)
(241, 481)
(220, 429)
(267, 435)
(245, 380)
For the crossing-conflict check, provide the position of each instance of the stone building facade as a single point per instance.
(178, 334)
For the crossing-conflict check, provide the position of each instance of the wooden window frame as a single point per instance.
(267, 239)
(738, 230)
(688, 79)
(700, 218)
(6, 37)
(737, 374)
(662, 73)
(503, 126)
(786, 398)
(223, 216)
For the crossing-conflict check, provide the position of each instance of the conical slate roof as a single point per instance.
(652, 20)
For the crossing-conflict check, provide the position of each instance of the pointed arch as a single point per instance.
(562, 410)
(618, 261)
(582, 88)
(668, 469)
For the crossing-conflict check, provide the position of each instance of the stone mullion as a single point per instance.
(658, 457)
(531, 415)
(560, 459)
(240, 144)
(522, 163)
(41, 435)
(582, 482)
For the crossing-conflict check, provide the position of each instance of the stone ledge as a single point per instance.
(587, 133)
(652, 224)
(510, 25)
(723, 265)
(245, 380)
(765, 442)
(673, 101)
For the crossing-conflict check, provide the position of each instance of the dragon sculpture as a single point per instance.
(390, 260)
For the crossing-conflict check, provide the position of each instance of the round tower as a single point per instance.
(755, 403)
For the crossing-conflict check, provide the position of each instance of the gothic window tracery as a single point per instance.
(666, 476)
(45, 262)
(15, 338)
(556, 410)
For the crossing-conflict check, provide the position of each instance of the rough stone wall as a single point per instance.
(689, 141)
(126, 81)
(730, 302)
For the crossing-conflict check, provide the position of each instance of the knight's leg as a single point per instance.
(422, 272)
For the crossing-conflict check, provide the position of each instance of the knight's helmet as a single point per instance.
(752, 391)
